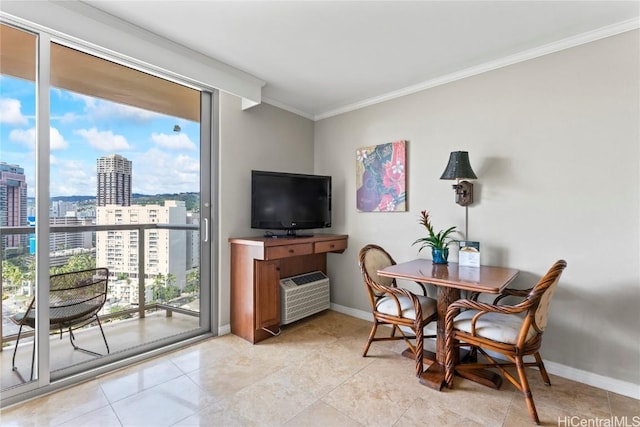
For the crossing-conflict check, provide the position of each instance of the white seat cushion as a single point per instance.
(387, 305)
(498, 327)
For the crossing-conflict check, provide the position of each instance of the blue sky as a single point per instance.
(85, 128)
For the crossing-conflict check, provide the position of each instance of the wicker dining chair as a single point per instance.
(75, 298)
(513, 331)
(398, 307)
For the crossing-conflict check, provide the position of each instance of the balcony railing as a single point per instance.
(142, 306)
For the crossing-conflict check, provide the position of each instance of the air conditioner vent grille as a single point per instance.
(303, 295)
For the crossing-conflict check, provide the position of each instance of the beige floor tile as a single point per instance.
(103, 417)
(338, 324)
(321, 415)
(162, 405)
(305, 336)
(371, 399)
(224, 377)
(518, 415)
(550, 413)
(322, 371)
(57, 408)
(213, 415)
(481, 404)
(574, 397)
(138, 378)
(623, 406)
(424, 412)
(202, 354)
(271, 401)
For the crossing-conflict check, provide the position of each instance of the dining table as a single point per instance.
(450, 279)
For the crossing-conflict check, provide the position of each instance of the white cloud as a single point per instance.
(156, 171)
(178, 141)
(73, 178)
(68, 118)
(28, 138)
(24, 137)
(10, 112)
(56, 140)
(104, 140)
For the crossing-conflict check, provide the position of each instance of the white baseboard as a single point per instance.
(360, 314)
(596, 380)
(224, 329)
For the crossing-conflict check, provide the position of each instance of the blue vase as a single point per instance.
(439, 256)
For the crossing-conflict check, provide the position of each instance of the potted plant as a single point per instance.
(438, 242)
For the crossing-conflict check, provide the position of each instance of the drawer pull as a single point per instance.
(291, 251)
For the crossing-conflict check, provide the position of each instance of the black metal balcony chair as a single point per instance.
(75, 298)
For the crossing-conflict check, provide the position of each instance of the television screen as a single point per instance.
(287, 201)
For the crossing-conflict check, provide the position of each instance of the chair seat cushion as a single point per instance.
(498, 327)
(387, 305)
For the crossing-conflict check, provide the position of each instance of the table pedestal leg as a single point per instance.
(433, 376)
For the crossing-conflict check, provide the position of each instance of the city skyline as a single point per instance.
(84, 129)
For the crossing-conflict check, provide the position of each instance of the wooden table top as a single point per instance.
(476, 279)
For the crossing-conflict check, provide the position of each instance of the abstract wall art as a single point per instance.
(381, 179)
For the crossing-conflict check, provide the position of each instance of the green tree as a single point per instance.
(12, 273)
(76, 263)
(159, 287)
(171, 279)
(171, 292)
(193, 282)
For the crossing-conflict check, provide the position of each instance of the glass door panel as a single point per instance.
(125, 195)
(17, 204)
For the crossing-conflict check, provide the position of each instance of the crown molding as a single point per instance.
(288, 108)
(567, 43)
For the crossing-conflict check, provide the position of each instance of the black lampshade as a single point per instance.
(459, 167)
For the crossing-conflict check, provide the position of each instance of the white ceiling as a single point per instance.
(320, 57)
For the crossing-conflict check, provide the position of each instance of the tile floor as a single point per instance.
(313, 374)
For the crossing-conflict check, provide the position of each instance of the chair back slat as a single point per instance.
(372, 259)
(542, 312)
(542, 294)
(77, 295)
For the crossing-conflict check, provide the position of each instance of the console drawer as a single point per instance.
(331, 246)
(285, 251)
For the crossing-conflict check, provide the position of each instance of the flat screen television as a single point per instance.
(290, 202)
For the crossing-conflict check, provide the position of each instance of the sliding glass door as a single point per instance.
(127, 189)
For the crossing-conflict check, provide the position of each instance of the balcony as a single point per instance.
(122, 335)
(137, 313)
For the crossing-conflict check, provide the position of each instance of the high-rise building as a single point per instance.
(164, 250)
(13, 204)
(114, 181)
(69, 239)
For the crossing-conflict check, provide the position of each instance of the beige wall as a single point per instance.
(265, 138)
(555, 144)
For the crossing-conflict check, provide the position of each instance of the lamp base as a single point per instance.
(464, 193)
